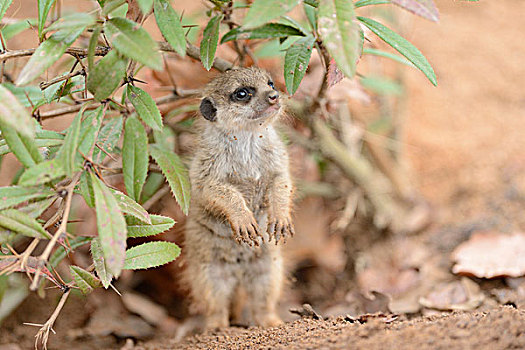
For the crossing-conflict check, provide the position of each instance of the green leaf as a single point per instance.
(61, 251)
(270, 30)
(84, 280)
(362, 3)
(381, 85)
(13, 195)
(130, 207)
(43, 138)
(12, 29)
(108, 138)
(13, 114)
(151, 254)
(42, 173)
(23, 147)
(90, 128)
(70, 23)
(4, 5)
(26, 95)
(138, 228)
(49, 52)
(145, 107)
(135, 157)
(165, 138)
(93, 41)
(35, 209)
(145, 6)
(107, 75)
(311, 15)
(176, 174)
(170, 26)
(340, 34)
(43, 10)
(21, 223)
(86, 189)
(67, 154)
(263, 11)
(209, 41)
(131, 40)
(152, 185)
(402, 46)
(296, 62)
(100, 264)
(381, 53)
(111, 226)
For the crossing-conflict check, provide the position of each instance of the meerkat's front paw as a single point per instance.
(280, 228)
(246, 230)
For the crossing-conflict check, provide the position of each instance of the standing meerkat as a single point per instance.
(241, 203)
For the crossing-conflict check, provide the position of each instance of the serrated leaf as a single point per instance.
(61, 251)
(111, 226)
(135, 157)
(100, 264)
(43, 138)
(209, 42)
(138, 228)
(23, 147)
(165, 138)
(26, 95)
(13, 114)
(339, 33)
(107, 75)
(296, 62)
(67, 154)
(270, 30)
(263, 11)
(43, 10)
(19, 222)
(362, 3)
(170, 26)
(151, 254)
(42, 173)
(4, 5)
(86, 189)
(145, 107)
(48, 53)
(402, 46)
(13, 195)
(311, 15)
(131, 40)
(130, 207)
(84, 280)
(176, 174)
(424, 8)
(108, 138)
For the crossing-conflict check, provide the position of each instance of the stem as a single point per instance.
(81, 52)
(43, 334)
(61, 229)
(45, 84)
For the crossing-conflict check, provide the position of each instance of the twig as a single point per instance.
(61, 229)
(45, 84)
(81, 52)
(43, 334)
(66, 110)
(156, 197)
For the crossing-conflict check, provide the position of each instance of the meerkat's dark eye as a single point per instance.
(270, 84)
(243, 94)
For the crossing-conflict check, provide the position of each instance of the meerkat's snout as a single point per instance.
(273, 97)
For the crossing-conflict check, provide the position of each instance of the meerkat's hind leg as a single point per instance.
(263, 288)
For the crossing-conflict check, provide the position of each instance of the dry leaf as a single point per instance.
(490, 255)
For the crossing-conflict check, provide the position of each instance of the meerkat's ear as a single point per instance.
(208, 110)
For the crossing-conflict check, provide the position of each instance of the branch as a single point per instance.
(46, 84)
(78, 51)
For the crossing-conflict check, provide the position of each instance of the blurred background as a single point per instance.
(448, 162)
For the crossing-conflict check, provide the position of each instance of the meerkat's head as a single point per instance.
(241, 98)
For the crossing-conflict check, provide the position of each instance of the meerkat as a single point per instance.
(241, 203)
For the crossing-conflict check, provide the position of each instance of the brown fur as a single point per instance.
(241, 201)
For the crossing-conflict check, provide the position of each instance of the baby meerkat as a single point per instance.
(241, 201)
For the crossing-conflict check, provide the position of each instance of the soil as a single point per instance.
(465, 145)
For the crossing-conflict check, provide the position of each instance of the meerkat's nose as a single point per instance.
(273, 97)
